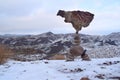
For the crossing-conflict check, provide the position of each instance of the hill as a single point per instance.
(106, 46)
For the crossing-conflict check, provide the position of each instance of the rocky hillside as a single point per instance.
(50, 43)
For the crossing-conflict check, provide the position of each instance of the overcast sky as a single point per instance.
(39, 16)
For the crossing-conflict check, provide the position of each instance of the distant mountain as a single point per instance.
(50, 43)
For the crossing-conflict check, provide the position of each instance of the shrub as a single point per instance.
(5, 53)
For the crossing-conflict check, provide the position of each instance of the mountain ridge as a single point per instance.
(50, 43)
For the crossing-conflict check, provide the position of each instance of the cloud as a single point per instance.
(18, 7)
(104, 23)
(37, 22)
(38, 16)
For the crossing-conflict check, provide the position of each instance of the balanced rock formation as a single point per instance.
(78, 19)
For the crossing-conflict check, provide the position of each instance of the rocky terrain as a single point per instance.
(105, 46)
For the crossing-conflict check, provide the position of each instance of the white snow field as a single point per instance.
(96, 69)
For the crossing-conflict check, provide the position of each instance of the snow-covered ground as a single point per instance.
(96, 69)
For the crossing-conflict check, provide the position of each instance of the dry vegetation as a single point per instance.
(5, 53)
(27, 50)
(57, 57)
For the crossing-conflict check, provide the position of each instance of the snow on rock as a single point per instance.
(49, 42)
(106, 46)
(96, 69)
(104, 52)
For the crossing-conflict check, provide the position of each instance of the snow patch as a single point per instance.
(61, 70)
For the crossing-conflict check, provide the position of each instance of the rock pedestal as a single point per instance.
(76, 50)
(76, 40)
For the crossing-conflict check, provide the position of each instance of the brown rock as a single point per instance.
(78, 19)
(76, 50)
(100, 76)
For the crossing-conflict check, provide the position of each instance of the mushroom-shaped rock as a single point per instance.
(78, 19)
